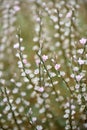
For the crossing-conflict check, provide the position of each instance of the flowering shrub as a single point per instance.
(51, 93)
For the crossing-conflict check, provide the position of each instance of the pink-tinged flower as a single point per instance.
(16, 45)
(83, 41)
(57, 66)
(81, 62)
(69, 14)
(24, 61)
(78, 77)
(44, 57)
(37, 61)
(16, 8)
(41, 89)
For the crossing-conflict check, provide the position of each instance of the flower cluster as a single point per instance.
(48, 89)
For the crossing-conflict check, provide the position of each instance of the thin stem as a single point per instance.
(65, 82)
(40, 75)
(21, 58)
(48, 75)
(11, 109)
(44, 104)
(61, 45)
(70, 119)
(81, 67)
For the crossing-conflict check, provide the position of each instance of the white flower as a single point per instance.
(41, 89)
(66, 115)
(83, 41)
(69, 14)
(44, 57)
(37, 61)
(75, 68)
(73, 112)
(80, 51)
(81, 62)
(35, 39)
(16, 45)
(39, 127)
(57, 66)
(25, 61)
(16, 8)
(78, 77)
(34, 119)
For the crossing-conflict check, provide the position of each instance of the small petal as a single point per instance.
(16, 45)
(83, 41)
(16, 8)
(41, 89)
(78, 77)
(37, 61)
(24, 61)
(81, 62)
(57, 66)
(69, 14)
(44, 57)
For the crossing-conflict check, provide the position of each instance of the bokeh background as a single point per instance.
(10, 22)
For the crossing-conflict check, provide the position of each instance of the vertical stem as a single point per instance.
(21, 58)
(61, 43)
(48, 75)
(70, 119)
(65, 82)
(11, 109)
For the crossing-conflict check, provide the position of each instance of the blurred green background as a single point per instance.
(26, 24)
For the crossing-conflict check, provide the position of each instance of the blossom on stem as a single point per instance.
(37, 61)
(80, 61)
(41, 89)
(57, 66)
(69, 14)
(16, 45)
(44, 57)
(16, 8)
(83, 41)
(79, 77)
(25, 61)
